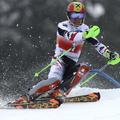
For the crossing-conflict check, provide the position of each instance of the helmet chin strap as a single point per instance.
(70, 21)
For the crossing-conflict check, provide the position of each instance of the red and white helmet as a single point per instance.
(76, 13)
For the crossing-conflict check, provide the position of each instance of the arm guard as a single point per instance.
(101, 48)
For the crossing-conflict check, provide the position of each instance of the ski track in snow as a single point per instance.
(108, 108)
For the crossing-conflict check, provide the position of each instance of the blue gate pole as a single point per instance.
(103, 74)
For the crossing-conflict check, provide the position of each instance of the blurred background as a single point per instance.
(28, 33)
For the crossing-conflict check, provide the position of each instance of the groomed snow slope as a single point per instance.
(108, 108)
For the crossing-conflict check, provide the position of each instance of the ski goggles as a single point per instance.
(77, 15)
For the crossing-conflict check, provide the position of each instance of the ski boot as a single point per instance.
(26, 101)
(56, 98)
(59, 95)
(21, 102)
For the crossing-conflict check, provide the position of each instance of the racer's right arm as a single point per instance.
(70, 36)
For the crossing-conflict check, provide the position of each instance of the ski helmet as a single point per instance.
(76, 13)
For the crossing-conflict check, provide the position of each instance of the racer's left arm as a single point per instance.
(90, 36)
(102, 49)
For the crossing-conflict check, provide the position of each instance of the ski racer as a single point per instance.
(65, 73)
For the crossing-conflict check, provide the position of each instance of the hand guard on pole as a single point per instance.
(93, 32)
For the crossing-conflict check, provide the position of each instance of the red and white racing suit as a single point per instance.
(67, 36)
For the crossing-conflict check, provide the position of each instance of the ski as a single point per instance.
(43, 102)
(92, 97)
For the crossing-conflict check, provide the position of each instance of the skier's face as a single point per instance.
(77, 21)
(77, 18)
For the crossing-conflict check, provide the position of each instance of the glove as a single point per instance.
(114, 58)
(93, 32)
(114, 55)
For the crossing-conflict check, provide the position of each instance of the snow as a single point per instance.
(105, 109)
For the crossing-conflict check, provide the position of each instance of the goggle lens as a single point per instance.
(77, 15)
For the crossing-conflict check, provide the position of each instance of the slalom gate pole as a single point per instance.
(110, 62)
(53, 62)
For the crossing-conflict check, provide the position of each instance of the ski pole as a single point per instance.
(53, 62)
(92, 76)
(110, 62)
